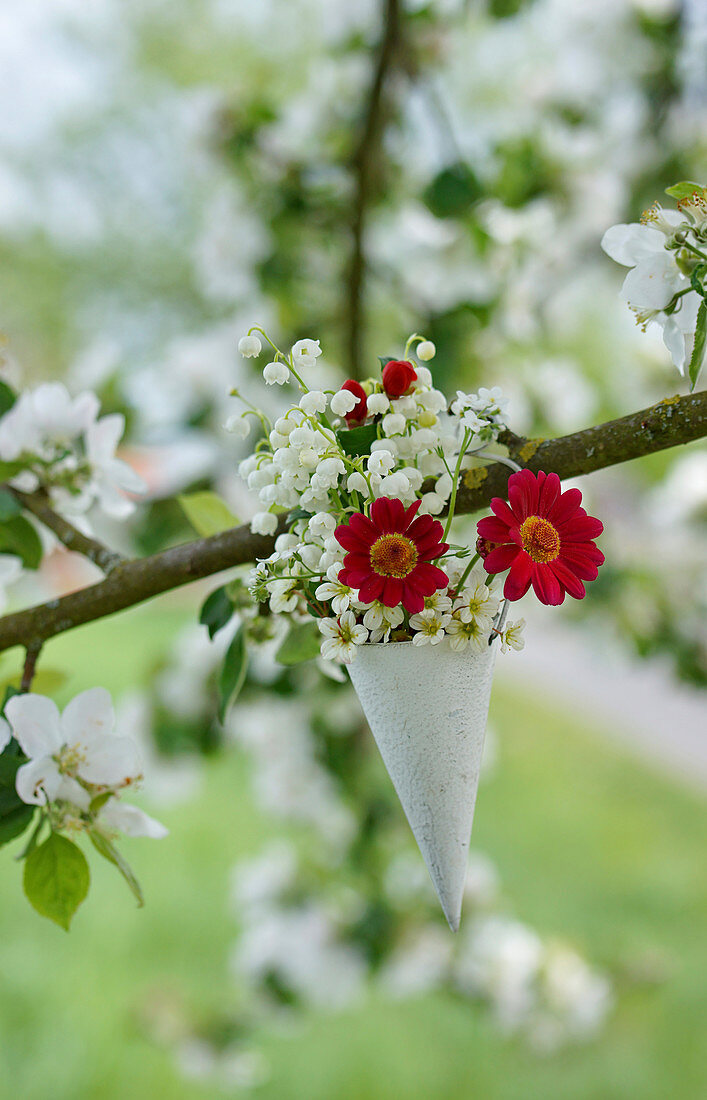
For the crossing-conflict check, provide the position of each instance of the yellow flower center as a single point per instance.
(540, 539)
(393, 556)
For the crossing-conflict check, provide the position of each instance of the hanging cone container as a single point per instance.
(427, 708)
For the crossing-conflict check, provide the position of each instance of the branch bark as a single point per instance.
(38, 504)
(676, 421)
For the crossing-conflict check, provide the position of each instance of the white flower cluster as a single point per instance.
(410, 447)
(59, 442)
(543, 989)
(662, 251)
(77, 767)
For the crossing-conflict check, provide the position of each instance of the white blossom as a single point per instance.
(250, 346)
(263, 523)
(344, 402)
(512, 637)
(430, 626)
(425, 351)
(381, 462)
(306, 352)
(276, 372)
(377, 404)
(341, 636)
(313, 402)
(239, 425)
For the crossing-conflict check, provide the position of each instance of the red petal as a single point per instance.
(493, 529)
(409, 514)
(549, 493)
(568, 579)
(501, 558)
(412, 601)
(371, 589)
(523, 494)
(354, 578)
(518, 580)
(427, 578)
(363, 527)
(387, 514)
(349, 539)
(565, 506)
(420, 527)
(501, 509)
(546, 585)
(581, 529)
(392, 592)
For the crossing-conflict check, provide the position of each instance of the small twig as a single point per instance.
(31, 658)
(365, 163)
(73, 539)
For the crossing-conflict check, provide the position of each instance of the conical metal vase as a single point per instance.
(427, 708)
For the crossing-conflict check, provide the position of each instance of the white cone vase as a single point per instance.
(427, 708)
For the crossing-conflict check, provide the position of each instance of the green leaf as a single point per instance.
(235, 666)
(18, 536)
(10, 469)
(9, 505)
(216, 611)
(15, 816)
(697, 278)
(111, 853)
(453, 191)
(698, 351)
(207, 513)
(7, 398)
(298, 513)
(14, 823)
(684, 190)
(56, 879)
(303, 643)
(357, 441)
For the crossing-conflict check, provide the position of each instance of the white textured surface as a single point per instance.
(427, 708)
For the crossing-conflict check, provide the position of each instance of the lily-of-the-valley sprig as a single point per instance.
(361, 473)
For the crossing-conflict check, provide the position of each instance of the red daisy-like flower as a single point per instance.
(389, 556)
(543, 536)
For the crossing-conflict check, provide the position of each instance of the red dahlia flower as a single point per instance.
(389, 555)
(398, 376)
(360, 410)
(544, 538)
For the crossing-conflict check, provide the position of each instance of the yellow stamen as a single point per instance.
(393, 556)
(540, 539)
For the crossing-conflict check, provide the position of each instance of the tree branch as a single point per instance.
(38, 504)
(670, 423)
(365, 163)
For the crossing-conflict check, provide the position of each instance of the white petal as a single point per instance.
(5, 734)
(674, 341)
(38, 780)
(69, 790)
(652, 283)
(35, 723)
(10, 568)
(103, 437)
(123, 475)
(110, 762)
(88, 714)
(629, 244)
(131, 821)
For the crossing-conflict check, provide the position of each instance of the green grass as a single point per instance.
(591, 848)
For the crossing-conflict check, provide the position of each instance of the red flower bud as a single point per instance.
(360, 410)
(398, 377)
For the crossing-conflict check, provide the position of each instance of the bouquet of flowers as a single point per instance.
(351, 482)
